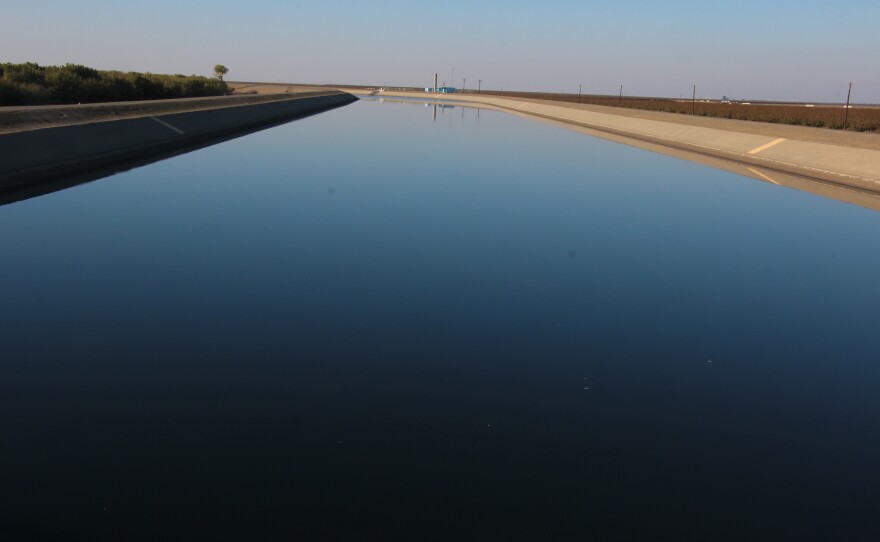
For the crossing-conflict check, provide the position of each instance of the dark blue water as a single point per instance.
(372, 324)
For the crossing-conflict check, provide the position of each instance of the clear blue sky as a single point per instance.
(786, 50)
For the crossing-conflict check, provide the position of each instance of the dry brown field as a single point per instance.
(860, 118)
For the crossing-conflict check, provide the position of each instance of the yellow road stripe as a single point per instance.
(767, 146)
(756, 172)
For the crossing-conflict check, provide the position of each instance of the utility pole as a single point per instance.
(694, 102)
(846, 111)
(580, 87)
(479, 85)
(620, 98)
(452, 79)
(463, 83)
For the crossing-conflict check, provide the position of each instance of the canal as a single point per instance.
(390, 320)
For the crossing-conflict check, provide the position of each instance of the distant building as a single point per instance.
(442, 90)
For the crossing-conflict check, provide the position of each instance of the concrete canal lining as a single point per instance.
(32, 157)
(773, 150)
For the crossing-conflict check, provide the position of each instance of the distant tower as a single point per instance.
(435, 82)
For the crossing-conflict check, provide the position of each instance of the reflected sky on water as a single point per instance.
(391, 319)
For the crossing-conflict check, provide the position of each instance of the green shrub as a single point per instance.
(81, 71)
(27, 73)
(30, 83)
(8, 92)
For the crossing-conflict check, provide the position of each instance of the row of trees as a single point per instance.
(32, 84)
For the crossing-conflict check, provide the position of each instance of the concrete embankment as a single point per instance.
(37, 156)
(766, 148)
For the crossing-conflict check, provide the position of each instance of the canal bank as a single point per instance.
(32, 157)
(853, 161)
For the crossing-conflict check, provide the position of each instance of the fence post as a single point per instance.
(846, 111)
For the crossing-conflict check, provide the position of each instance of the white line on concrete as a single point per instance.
(758, 173)
(767, 146)
(522, 105)
(623, 132)
(675, 143)
(165, 124)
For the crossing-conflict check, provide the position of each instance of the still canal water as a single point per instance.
(371, 323)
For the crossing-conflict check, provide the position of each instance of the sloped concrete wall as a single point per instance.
(51, 153)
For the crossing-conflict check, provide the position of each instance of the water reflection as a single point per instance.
(434, 105)
(366, 325)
